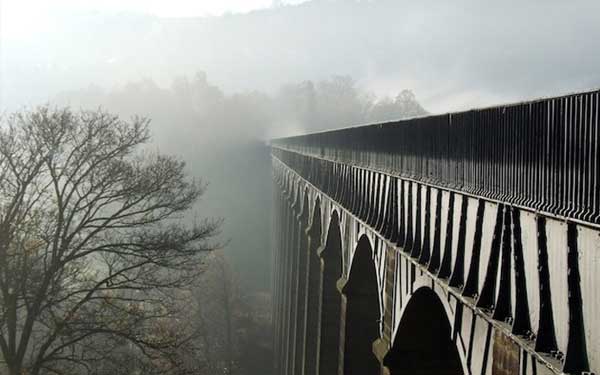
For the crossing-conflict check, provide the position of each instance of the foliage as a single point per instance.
(222, 137)
(92, 242)
(235, 324)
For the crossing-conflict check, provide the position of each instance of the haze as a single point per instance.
(247, 64)
(220, 78)
(452, 55)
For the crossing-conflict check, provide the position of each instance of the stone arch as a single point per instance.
(423, 342)
(313, 297)
(331, 298)
(300, 276)
(362, 313)
(290, 276)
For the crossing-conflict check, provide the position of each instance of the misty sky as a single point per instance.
(453, 55)
(125, 55)
(20, 17)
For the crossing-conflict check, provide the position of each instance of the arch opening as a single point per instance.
(362, 313)
(423, 342)
(331, 299)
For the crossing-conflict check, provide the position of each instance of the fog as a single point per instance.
(219, 79)
(218, 87)
(452, 55)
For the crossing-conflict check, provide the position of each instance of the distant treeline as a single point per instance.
(198, 106)
(222, 138)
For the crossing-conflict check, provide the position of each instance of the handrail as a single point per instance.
(543, 154)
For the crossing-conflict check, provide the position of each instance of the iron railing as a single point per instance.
(543, 154)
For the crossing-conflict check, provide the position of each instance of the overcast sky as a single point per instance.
(27, 17)
(454, 55)
(171, 8)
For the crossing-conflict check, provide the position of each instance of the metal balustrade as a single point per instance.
(542, 155)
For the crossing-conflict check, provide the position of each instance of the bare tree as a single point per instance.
(235, 336)
(228, 297)
(218, 300)
(92, 241)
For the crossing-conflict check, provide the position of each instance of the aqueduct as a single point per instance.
(464, 243)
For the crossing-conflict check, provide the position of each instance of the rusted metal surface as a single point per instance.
(506, 356)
